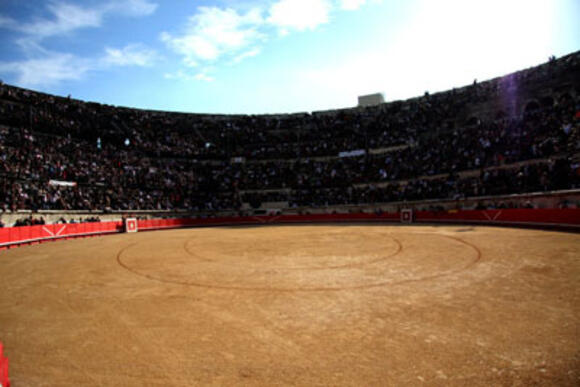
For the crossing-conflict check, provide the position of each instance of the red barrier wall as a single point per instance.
(566, 219)
(14, 236)
(157, 224)
(562, 218)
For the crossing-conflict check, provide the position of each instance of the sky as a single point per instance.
(273, 56)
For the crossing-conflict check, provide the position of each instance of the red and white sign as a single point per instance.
(407, 215)
(131, 225)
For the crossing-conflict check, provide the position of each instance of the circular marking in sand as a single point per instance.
(281, 268)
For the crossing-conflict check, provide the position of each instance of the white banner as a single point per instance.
(352, 153)
(62, 183)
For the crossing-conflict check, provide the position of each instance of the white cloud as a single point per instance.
(6, 22)
(66, 17)
(203, 77)
(213, 33)
(247, 54)
(299, 15)
(351, 5)
(50, 70)
(130, 55)
(183, 76)
(178, 75)
(30, 47)
(134, 8)
(45, 68)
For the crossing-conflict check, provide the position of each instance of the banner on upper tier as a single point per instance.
(352, 153)
(61, 183)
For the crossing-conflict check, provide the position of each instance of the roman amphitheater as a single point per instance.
(431, 241)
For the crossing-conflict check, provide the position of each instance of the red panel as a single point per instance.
(15, 234)
(190, 222)
(5, 235)
(3, 368)
(100, 227)
(4, 378)
(70, 229)
(57, 229)
(25, 233)
(108, 226)
(36, 232)
(47, 230)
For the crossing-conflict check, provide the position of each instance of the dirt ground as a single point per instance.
(295, 305)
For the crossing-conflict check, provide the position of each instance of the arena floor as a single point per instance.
(295, 305)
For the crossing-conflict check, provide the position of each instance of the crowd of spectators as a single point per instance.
(61, 153)
(553, 175)
(29, 221)
(34, 221)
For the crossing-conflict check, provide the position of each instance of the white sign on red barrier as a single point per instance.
(131, 225)
(407, 215)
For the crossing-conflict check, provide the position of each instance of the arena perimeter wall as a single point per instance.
(560, 219)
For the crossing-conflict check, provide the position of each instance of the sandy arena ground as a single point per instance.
(295, 305)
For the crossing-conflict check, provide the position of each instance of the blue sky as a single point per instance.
(272, 56)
